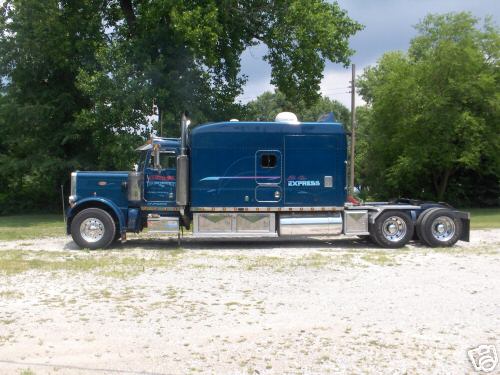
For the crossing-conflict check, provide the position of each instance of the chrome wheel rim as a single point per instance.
(443, 228)
(394, 229)
(92, 229)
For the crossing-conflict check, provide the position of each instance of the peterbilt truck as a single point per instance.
(248, 179)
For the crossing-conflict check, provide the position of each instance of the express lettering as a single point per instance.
(304, 183)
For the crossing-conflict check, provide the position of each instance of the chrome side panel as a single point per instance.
(377, 209)
(233, 224)
(212, 223)
(356, 222)
(162, 224)
(310, 225)
(255, 223)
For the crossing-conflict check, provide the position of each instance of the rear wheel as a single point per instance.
(93, 228)
(440, 228)
(418, 224)
(392, 229)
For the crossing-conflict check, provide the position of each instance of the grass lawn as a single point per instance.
(20, 227)
(484, 218)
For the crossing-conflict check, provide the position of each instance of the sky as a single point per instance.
(388, 27)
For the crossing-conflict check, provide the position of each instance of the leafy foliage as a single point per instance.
(434, 113)
(79, 77)
(42, 47)
(266, 106)
(189, 51)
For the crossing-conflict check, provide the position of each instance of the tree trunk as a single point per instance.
(128, 12)
(440, 182)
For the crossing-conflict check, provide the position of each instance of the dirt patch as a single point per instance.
(229, 307)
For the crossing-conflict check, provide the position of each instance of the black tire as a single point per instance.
(418, 224)
(403, 226)
(447, 235)
(98, 238)
(372, 236)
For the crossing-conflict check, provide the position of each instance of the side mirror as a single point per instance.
(156, 156)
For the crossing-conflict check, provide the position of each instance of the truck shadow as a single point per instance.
(189, 243)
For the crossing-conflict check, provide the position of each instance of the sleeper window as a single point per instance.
(268, 161)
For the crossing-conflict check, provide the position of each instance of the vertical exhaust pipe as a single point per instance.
(184, 125)
(182, 183)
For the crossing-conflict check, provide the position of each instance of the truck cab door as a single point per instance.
(159, 181)
(268, 166)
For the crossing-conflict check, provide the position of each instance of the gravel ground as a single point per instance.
(254, 307)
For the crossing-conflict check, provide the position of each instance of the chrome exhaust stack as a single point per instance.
(182, 179)
(185, 122)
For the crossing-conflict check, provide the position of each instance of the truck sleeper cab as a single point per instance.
(248, 179)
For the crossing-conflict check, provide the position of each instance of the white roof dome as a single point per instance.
(286, 117)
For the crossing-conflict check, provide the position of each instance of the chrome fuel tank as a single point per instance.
(310, 225)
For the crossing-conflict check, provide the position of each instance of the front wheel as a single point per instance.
(392, 229)
(93, 228)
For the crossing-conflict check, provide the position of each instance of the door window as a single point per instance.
(268, 161)
(168, 160)
(159, 187)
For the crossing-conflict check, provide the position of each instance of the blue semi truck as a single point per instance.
(248, 179)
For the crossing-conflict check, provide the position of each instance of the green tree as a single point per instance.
(362, 166)
(266, 106)
(43, 44)
(188, 52)
(435, 110)
(79, 77)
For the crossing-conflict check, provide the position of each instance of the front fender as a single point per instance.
(96, 202)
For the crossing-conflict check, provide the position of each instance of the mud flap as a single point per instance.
(465, 217)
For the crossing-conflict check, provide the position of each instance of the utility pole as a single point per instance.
(353, 128)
